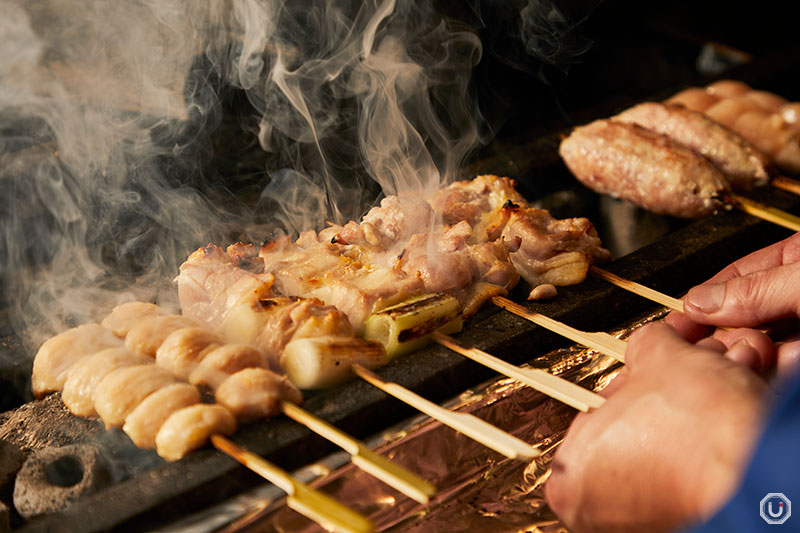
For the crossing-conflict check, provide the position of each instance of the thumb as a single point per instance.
(748, 300)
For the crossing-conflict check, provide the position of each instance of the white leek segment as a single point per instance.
(407, 326)
(318, 362)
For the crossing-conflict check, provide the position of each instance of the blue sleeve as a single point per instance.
(772, 481)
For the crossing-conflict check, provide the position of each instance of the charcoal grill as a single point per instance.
(650, 55)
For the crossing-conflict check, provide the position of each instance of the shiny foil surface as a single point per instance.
(479, 489)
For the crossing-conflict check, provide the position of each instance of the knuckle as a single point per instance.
(747, 291)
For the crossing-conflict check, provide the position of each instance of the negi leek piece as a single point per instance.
(407, 326)
(318, 362)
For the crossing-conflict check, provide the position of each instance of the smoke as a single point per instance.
(550, 35)
(133, 132)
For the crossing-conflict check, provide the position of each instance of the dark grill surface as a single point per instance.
(630, 61)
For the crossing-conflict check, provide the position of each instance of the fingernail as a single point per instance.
(707, 298)
(744, 353)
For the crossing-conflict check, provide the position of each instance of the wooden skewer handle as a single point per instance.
(311, 503)
(553, 386)
(764, 212)
(667, 301)
(786, 184)
(602, 342)
(390, 473)
(471, 426)
(636, 288)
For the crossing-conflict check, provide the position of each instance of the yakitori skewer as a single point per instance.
(470, 425)
(636, 288)
(764, 212)
(651, 294)
(309, 502)
(786, 184)
(553, 386)
(390, 473)
(600, 341)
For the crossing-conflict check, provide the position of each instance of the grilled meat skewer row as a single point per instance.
(649, 169)
(133, 391)
(743, 164)
(765, 119)
(221, 288)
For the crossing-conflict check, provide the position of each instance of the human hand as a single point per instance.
(758, 289)
(668, 446)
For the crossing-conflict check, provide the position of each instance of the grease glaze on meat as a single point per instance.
(143, 423)
(190, 428)
(125, 316)
(551, 251)
(255, 393)
(646, 168)
(183, 349)
(147, 335)
(58, 354)
(86, 375)
(121, 391)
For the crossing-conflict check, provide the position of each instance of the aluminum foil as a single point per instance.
(479, 490)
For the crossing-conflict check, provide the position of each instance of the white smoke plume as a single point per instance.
(133, 132)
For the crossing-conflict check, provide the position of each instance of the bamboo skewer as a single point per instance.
(636, 288)
(651, 294)
(764, 212)
(602, 342)
(390, 473)
(470, 425)
(786, 184)
(553, 386)
(309, 502)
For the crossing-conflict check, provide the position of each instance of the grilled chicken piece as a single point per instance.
(184, 349)
(58, 354)
(143, 423)
(387, 226)
(190, 428)
(728, 88)
(399, 250)
(447, 263)
(120, 392)
(442, 261)
(212, 281)
(146, 336)
(491, 260)
(341, 276)
(270, 323)
(743, 165)
(540, 248)
(86, 375)
(773, 135)
(249, 312)
(125, 316)
(223, 361)
(646, 168)
(483, 202)
(694, 98)
(550, 251)
(765, 119)
(255, 393)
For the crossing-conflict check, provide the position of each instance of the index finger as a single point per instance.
(781, 253)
